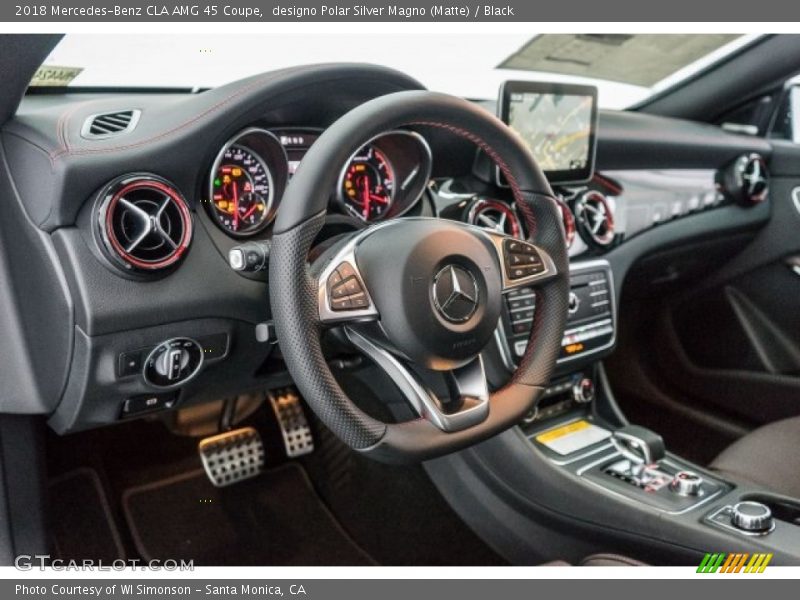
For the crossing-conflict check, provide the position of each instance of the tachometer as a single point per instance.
(241, 191)
(367, 185)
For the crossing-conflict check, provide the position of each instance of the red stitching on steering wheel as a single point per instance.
(490, 151)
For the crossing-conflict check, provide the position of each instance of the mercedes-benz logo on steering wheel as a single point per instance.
(455, 293)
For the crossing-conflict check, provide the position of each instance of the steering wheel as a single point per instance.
(418, 293)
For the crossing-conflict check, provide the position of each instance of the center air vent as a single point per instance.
(495, 216)
(110, 124)
(594, 218)
(144, 223)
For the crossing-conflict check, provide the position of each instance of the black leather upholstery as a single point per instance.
(767, 457)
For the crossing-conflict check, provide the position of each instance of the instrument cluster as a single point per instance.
(383, 179)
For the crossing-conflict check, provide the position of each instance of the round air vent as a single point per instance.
(746, 180)
(594, 218)
(144, 223)
(495, 216)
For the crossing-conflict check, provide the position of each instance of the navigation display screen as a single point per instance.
(557, 122)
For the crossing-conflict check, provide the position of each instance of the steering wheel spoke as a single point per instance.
(341, 291)
(522, 263)
(468, 401)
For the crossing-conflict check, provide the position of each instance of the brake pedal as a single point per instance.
(297, 438)
(232, 456)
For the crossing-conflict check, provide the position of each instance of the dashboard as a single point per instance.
(130, 232)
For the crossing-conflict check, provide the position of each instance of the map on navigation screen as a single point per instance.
(556, 127)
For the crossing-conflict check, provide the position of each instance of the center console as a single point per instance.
(575, 469)
(591, 319)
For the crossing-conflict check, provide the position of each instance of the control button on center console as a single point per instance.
(686, 483)
(752, 517)
(583, 391)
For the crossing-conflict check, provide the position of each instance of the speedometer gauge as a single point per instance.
(241, 191)
(366, 186)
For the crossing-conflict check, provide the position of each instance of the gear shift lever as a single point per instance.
(639, 444)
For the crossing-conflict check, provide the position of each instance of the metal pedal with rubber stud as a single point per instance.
(297, 438)
(232, 456)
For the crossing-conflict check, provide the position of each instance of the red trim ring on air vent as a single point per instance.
(495, 215)
(595, 218)
(569, 221)
(157, 217)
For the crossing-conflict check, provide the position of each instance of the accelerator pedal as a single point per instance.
(297, 438)
(232, 456)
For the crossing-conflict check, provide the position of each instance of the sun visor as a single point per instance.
(636, 59)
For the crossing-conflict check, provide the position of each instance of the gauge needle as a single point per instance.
(365, 195)
(235, 206)
(250, 211)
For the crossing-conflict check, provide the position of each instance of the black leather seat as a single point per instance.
(767, 457)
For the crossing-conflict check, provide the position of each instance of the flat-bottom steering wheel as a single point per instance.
(418, 292)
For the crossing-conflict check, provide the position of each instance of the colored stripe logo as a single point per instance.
(721, 562)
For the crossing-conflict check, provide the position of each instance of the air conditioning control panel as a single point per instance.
(591, 319)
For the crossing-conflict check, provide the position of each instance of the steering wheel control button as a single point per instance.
(345, 290)
(752, 517)
(359, 300)
(341, 304)
(686, 483)
(521, 259)
(455, 293)
(173, 362)
(346, 270)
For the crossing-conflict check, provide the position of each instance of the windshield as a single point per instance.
(625, 68)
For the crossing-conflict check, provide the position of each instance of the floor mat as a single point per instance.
(395, 512)
(274, 519)
(82, 524)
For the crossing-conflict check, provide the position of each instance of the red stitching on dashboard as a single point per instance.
(63, 121)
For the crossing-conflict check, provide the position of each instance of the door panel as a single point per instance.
(733, 344)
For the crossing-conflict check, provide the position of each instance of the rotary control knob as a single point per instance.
(686, 483)
(753, 517)
(583, 391)
(173, 362)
